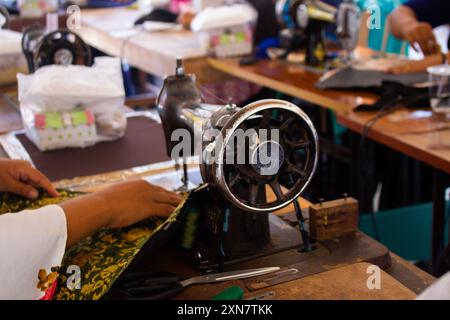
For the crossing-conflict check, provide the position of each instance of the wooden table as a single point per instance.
(419, 139)
(152, 52)
(293, 80)
(401, 281)
(297, 82)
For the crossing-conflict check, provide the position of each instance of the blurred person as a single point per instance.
(414, 22)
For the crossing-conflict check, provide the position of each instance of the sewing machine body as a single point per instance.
(305, 22)
(235, 221)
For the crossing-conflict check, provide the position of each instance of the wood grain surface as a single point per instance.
(425, 139)
(346, 283)
(293, 80)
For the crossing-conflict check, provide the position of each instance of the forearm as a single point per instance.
(399, 19)
(118, 206)
(85, 215)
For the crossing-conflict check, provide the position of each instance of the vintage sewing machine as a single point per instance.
(61, 47)
(268, 144)
(305, 22)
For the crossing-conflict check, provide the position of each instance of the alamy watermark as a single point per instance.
(73, 17)
(260, 148)
(374, 280)
(373, 20)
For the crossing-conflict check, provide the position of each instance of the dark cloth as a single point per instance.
(350, 79)
(435, 12)
(394, 93)
(159, 15)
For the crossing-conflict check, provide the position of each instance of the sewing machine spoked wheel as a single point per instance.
(279, 150)
(62, 47)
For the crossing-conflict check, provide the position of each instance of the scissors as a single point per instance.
(164, 285)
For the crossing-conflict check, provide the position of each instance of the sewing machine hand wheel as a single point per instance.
(62, 47)
(290, 150)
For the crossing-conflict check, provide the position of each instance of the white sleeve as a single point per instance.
(30, 240)
(440, 290)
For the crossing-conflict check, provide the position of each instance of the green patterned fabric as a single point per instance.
(102, 257)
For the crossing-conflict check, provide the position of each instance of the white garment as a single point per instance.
(440, 290)
(30, 240)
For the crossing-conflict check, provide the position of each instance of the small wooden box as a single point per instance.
(333, 219)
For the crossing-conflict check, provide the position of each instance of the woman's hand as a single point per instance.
(118, 206)
(405, 26)
(421, 33)
(416, 65)
(185, 18)
(19, 177)
(137, 200)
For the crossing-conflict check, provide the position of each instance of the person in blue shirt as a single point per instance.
(414, 22)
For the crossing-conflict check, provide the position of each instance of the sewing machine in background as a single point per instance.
(305, 22)
(233, 214)
(62, 47)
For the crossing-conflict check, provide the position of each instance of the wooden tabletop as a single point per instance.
(416, 133)
(294, 80)
(152, 52)
(402, 280)
(343, 283)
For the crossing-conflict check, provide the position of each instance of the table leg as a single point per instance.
(441, 183)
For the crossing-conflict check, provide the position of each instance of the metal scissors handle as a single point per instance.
(163, 285)
(149, 285)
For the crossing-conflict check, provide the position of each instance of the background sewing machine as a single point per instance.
(305, 22)
(62, 47)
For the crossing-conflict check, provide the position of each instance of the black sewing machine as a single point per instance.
(239, 161)
(305, 22)
(62, 47)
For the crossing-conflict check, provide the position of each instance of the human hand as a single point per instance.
(413, 66)
(19, 177)
(185, 18)
(422, 34)
(117, 206)
(136, 200)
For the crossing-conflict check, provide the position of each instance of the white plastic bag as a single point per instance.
(73, 106)
(226, 31)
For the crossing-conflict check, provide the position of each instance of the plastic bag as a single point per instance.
(226, 31)
(73, 106)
